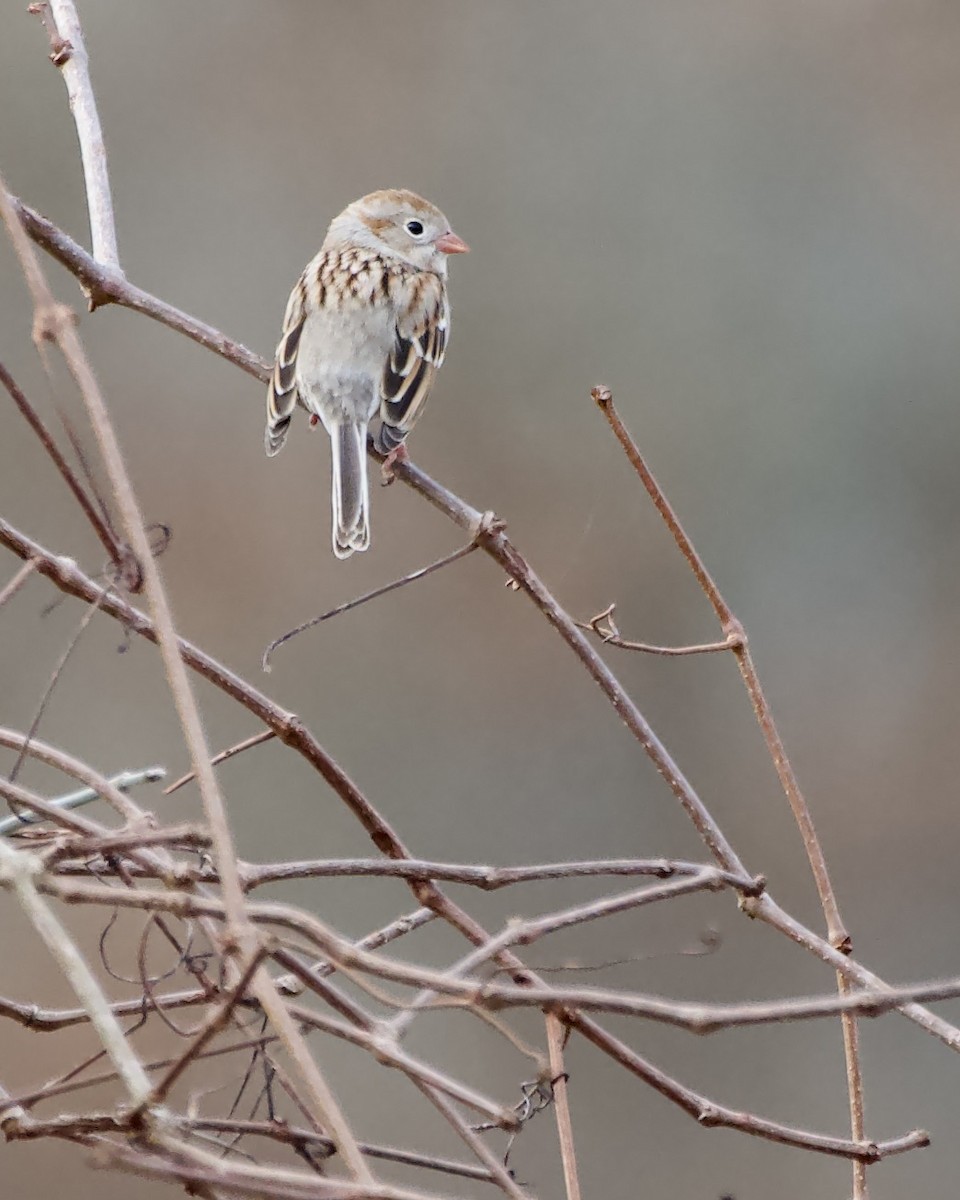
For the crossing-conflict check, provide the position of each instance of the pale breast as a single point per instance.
(340, 360)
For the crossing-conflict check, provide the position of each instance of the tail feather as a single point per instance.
(350, 491)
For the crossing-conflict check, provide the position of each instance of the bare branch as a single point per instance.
(556, 1037)
(106, 535)
(282, 1132)
(486, 878)
(604, 626)
(53, 681)
(107, 285)
(122, 782)
(70, 55)
(715, 1116)
(736, 634)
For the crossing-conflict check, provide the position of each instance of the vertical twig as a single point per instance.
(70, 55)
(556, 1035)
(732, 627)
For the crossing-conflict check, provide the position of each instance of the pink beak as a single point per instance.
(449, 243)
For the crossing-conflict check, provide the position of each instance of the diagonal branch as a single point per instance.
(106, 535)
(107, 285)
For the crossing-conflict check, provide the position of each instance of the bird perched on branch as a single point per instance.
(364, 333)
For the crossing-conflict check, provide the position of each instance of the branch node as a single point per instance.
(735, 633)
(61, 49)
(749, 904)
(842, 942)
(602, 396)
(487, 526)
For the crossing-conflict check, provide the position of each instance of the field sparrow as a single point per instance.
(364, 332)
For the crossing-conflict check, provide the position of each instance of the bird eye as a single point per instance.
(414, 228)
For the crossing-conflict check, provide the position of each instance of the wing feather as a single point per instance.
(417, 354)
(282, 391)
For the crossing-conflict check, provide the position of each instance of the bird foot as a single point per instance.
(314, 420)
(387, 473)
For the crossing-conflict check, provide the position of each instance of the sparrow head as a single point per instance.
(401, 224)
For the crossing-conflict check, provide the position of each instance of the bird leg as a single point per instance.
(397, 454)
(314, 420)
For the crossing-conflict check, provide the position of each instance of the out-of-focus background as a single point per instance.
(742, 217)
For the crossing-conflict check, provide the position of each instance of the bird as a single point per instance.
(364, 334)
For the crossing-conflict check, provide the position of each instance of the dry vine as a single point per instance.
(256, 976)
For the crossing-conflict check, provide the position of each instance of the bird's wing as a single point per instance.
(282, 391)
(418, 349)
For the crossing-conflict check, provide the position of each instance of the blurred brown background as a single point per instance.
(742, 217)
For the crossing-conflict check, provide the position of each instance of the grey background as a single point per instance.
(742, 216)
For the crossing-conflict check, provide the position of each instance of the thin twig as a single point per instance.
(421, 573)
(498, 1171)
(736, 635)
(280, 1131)
(54, 757)
(47, 1020)
(604, 626)
(877, 996)
(122, 782)
(54, 680)
(735, 631)
(486, 878)
(717, 1116)
(215, 1023)
(17, 582)
(247, 744)
(526, 932)
(100, 527)
(199, 1170)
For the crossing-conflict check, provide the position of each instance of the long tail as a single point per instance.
(351, 496)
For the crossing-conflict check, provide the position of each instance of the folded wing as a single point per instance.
(416, 356)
